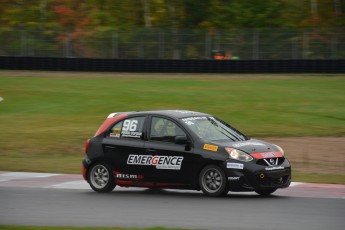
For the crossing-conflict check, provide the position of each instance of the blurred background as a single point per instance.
(47, 116)
(178, 29)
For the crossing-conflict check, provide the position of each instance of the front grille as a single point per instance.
(267, 162)
(270, 181)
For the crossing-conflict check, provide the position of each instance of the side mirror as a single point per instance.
(181, 140)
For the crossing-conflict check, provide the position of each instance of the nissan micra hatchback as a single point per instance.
(181, 150)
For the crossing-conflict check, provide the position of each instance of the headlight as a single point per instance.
(238, 155)
(280, 149)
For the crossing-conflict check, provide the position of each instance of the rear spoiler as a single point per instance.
(112, 115)
(117, 113)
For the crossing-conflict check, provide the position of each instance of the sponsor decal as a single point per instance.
(268, 155)
(234, 166)
(189, 120)
(114, 135)
(234, 178)
(129, 125)
(265, 155)
(248, 143)
(213, 148)
(128, 176)
(274, 168)
(194, 118)
(131, 134)
(161, 162)
(129, 129)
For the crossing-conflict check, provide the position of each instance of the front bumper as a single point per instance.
(250, 176)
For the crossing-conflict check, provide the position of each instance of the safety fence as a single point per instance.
(177, 44)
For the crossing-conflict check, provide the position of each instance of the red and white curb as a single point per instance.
(75, 181)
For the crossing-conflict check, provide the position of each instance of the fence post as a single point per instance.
(67, 51)
(217, 40)
(294, 48)
(23, 38)
(255, 45)
(207, 46)
(141, 51)
(114, 45)
(305, 47)
(161, 45)
(334, 48)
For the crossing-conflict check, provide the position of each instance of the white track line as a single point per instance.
(79, 184)
(23, 175)
(293, 184)
(69, 184)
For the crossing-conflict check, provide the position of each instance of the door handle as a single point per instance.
(151, 151)
(110, 147)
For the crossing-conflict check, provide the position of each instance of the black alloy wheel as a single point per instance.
(212, 181)
(101, 178)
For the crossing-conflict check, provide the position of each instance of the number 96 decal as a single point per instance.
(130, 125)
(129, 129)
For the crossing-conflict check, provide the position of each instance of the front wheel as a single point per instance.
(100, 178)
(212, 181)
(265, 192)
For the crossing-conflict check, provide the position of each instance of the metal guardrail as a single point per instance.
(172, 66)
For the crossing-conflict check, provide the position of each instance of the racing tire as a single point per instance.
(265, 192)
(212, 181)
(101, 178)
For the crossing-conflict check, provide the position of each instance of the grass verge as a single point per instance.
(46, 120)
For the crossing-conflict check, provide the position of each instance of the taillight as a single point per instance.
(87, 145)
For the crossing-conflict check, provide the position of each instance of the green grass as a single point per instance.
(5, 227)
(44, 121)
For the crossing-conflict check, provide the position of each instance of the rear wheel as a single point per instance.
(265, 192)
(100, 178)
(212, 181)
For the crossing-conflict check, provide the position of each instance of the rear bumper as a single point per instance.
(84, 168)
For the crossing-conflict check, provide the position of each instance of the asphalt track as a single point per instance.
(66, 200)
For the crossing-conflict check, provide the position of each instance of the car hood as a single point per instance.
(249, 146)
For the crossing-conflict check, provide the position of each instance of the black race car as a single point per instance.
(182, 150)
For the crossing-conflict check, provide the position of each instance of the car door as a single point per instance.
(171, 162)
(125, 138)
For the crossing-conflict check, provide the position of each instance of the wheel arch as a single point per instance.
(95, 161)
(208, 163)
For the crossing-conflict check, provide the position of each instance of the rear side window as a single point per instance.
(164, 130)
(128, 128)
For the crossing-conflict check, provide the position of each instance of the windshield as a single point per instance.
(210, 128)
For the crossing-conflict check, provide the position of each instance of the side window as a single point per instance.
(129, 128)
(116, 130)
(164, 130)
